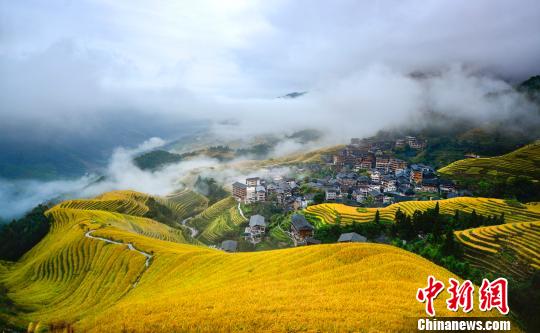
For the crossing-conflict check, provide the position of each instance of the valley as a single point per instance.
(269, 166)
(121, 243)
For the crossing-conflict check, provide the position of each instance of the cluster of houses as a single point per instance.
(362, 173)
(282, 191)
(382, 187)
(368, 176)
(411, 142)
(365, 171)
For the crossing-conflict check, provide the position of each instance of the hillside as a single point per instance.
(326, 213)
(77, 277)
(314, 156)
(257, 148)
(522, 162)
(511, 249)
(217, 221)
(184, 203)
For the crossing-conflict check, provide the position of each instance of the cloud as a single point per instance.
(96, 68)
(19, 196)
(378, 97)
(71, 59)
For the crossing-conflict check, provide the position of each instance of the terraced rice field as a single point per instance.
(524, 161)
(326, 213)
(184, 203)
(217, 220)
(126, 202)
(228, 221)
(88, 284)
(511, 249)
(203, 220)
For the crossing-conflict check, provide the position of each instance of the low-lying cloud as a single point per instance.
(378, 97)
(18, 196)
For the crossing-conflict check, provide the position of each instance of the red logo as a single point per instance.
(491, 295)
(430, 293)
(494, 295)
(460, 296)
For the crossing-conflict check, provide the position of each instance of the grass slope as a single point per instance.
(326, 213)
(521, 162)
(511, 249)
(69, 280)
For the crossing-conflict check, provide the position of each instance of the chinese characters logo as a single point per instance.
(492, 295)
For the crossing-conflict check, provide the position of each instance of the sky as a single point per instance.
(61, 61)
(116, 71)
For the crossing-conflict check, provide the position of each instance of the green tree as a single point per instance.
(318, 198)
(377, 217)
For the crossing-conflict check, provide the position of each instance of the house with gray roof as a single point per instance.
(351, 237)
(257, 223)
(229, 246)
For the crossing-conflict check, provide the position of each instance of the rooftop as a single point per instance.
(229, 245)
(351, 237)
(299, 222)
(257, 220)
(238, 184)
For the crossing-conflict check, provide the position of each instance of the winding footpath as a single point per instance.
(130, 246)
(241, 212)
(194, 232)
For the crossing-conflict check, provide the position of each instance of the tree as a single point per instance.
(474, 219)
(318, 198)
(377, 218)
(409, 229)
(437, 228)
(19, 236)
(450, 246)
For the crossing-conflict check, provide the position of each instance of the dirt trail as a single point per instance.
(130, 247)
(194, 232)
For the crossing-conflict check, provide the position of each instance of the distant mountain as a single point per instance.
(47, 156)
(307, 135)
(294, 94)
(531, 88)
(257, 148)
(154, 159)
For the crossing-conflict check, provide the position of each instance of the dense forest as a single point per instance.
(19, 236)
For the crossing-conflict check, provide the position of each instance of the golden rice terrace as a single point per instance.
(104, 271)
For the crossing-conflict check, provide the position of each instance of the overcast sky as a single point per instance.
(115, 71)
(63, 61)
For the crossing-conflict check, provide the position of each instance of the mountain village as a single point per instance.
(365, 173)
